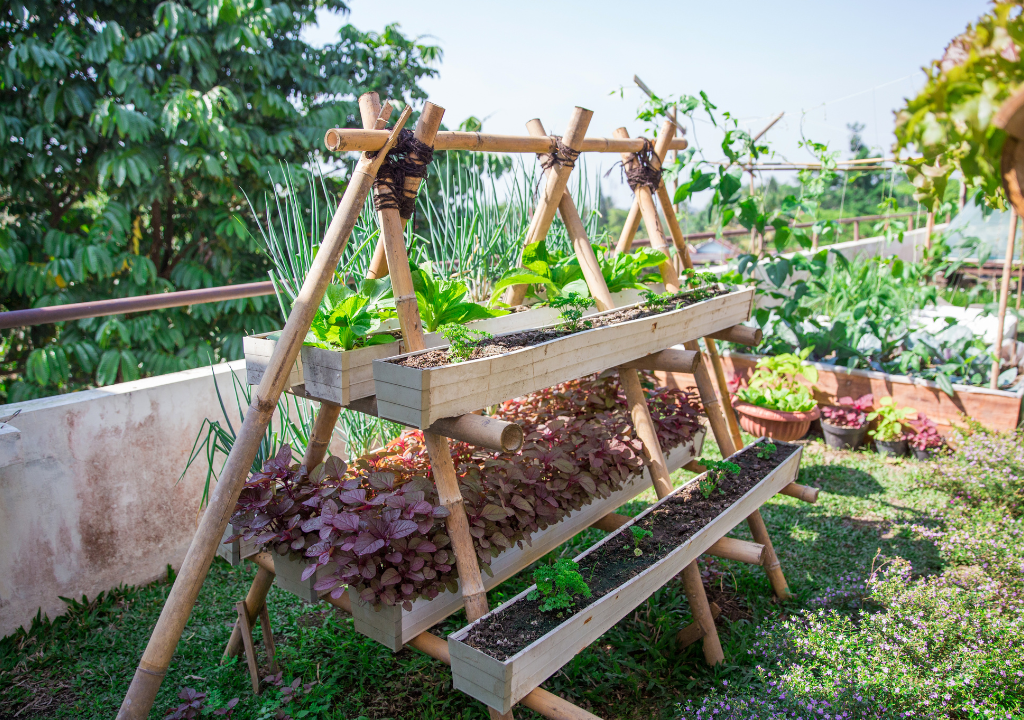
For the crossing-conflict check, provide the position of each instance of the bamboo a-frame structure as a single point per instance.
(392, 256)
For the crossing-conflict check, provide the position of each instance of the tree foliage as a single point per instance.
(132, 130)
(950, 121)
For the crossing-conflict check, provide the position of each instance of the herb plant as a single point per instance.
(638, 534)
(716, 472)
(654, 301)
(442, 301)
(346, 318)
(557, 584)
(890, 419)
(849, 413)
(766, 449)
(774, 384)
(460, 342)
(572, 307)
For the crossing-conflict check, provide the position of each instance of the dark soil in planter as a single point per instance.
(528, 338)
(503, 634)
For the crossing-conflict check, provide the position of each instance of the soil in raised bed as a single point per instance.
(610, 566)
(528, 338)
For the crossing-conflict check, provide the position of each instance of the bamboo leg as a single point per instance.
(250, 649)
(772, 567)
(723, 389)
(157, 657)
(629, 229)
(694, 632)
(268, 639)
(645, 430)
(694, 588)
(556, 180)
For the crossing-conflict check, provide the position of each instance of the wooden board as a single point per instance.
(998, 410)
(257, 350)
(288, 571)
(501, 684)
(237, 551)
(418, 397)
(393, 626)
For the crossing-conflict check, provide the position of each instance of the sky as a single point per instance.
(826, 64)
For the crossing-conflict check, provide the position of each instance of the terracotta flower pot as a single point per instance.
(776, 424)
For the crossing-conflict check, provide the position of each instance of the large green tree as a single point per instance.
(135, 133)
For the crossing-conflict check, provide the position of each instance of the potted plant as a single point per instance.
(926, 441)
(774, 403)
(846, 424)
(888, 433)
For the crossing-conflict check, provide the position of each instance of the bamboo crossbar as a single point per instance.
(353, 139)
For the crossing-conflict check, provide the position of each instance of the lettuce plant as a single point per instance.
(442, 301)
(346, 318)
(774, 384)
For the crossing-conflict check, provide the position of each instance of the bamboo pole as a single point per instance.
(556, 180)
(350, 139)
(629, 229)
(772, 567)
(723, 388)
(648, 210)
(369, 109)
(157, 657)
(694, 587)
(929, 227)
(671, 360)
(740, 334)
(1004, 296)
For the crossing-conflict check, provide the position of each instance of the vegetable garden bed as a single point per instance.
(393, 626)
(511, 650)
(998, 410)
(418, 396)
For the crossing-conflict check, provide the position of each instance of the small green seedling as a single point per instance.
(571, 307)
(654, 301)
(460, 342)
(766, 450)
(638, 535)
(557, 584)
(717, 470)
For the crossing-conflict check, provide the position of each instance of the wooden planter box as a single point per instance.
(998, 410)
(340, 377)
(288, 576)
(393, 626)
(501, 684)
(237, 551)
(418, 397)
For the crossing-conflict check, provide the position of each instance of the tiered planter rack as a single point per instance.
(355, 379)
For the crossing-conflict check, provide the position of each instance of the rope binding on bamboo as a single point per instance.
(409, 158)
(563, 155)
(644, 169)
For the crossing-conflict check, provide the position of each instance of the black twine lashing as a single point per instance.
(563, 155)
(408, 158)
(641, 170)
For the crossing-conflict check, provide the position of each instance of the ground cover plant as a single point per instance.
(78, 666)
(377, 523)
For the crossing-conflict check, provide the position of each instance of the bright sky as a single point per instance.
(826, 64)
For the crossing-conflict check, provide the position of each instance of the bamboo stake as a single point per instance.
(648, 211)
(629, 229)
(1004, 296)
(350, 139)
(772, 567)
(694, 588)
(556, 180)
(157, 657)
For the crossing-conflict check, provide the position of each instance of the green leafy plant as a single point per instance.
(638, 534)
(571, 308)
(890, 419)
(716, 472)
(442, 301)
(766, 449)
(774, 384)
(556, 272)
(557, 584)
(346, 318)
(461, 342)
(654, 301)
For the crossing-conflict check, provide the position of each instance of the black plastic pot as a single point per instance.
(843, 438)
(892, 448)
(926, 454)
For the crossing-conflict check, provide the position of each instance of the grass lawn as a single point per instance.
(80, 665)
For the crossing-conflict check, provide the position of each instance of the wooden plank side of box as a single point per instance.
(393, 627)
(341, 376)
(258, 350)
(484, 677)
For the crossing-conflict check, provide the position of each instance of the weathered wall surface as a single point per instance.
(89, 496)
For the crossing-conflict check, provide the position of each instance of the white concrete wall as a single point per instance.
(89, 496)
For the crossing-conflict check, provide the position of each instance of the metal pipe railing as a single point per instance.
(141, 303)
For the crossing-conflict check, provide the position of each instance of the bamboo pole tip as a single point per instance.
(333, 139)
(512, 438)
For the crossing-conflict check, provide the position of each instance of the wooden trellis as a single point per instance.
(487, 432)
